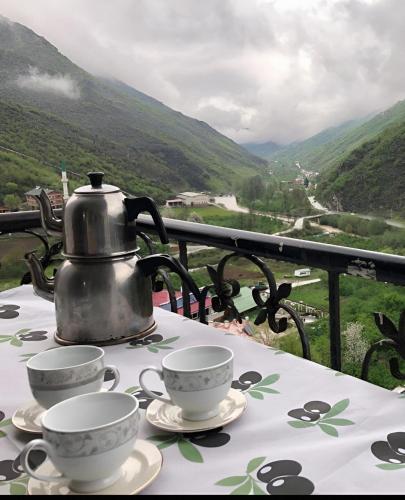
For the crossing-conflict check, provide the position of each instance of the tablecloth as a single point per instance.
(306, 429)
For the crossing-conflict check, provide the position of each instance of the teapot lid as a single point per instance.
(96, 185)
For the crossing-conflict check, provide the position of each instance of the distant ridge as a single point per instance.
(264, 150)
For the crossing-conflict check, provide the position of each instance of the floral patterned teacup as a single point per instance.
(65, 372)
(87, 438)
(196, 378)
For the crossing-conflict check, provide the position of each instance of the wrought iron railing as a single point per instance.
(335, 260)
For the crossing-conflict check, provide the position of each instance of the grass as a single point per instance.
(210, 211)
(315, 294)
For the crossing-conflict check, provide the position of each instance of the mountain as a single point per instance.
(371, 178)
(53, 110)
(264, 150)
(319, 151)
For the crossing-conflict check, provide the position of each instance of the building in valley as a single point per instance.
(55, 197)
(189, 199)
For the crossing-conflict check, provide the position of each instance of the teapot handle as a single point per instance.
(149, 265)
(135, 206)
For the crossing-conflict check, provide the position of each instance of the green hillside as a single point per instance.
(108, 123)
(331, 146)
(49, 139)
(321, 150)
(376, 170)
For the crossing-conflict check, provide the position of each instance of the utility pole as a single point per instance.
(64, 181)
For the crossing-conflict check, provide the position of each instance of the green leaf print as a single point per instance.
(257, 391)
(168, 341)
(390, 466)
(6, 422)
(337, 421)
(132, 389)
(328, 429)
(160, 437)
(232, 481)
(16, 342)
(189, 451)
(152, 349)
(249, 483)
(256, 395)
(18, 489)
(254, 464)
(26, 357)
(244, 489)
(299, 424)
(337, 408)
(257, 490)
(266, 389)
(167, 443)
(271, 379)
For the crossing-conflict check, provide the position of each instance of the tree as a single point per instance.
(12, 201)
(306, 182)
(195, 217)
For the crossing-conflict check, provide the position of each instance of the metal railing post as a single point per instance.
(334, 320)
(186, 292)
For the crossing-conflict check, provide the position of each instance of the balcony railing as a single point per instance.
(335, 260)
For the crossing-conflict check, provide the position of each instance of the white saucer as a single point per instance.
(168, 417)
(138, 471)
(28, 417)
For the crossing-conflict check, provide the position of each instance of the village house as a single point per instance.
(189, 199)
(55, 197)
(162, 299)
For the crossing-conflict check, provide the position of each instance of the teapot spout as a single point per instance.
(43, 286)
(51, 224)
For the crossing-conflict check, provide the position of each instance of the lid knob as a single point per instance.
(96, 179)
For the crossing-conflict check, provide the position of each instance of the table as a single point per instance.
(333, 452)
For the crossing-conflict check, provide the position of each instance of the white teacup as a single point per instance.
(196, 378)
(87, 438)
(65, 372)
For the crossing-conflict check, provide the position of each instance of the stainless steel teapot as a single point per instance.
(103, 290)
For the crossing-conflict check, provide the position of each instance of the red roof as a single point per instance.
(161, 299)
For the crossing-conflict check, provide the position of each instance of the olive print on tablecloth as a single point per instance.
(319, 413)
(153, 343)
(7, 471)
(3, 423)
(252, 383)
(24, 335)
(12, 474)
(282, 477)
(187, 443)
(391, 451)
(9, 311)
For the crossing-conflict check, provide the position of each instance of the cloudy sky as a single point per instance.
(255, 70)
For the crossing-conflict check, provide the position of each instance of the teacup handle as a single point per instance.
(116, 373)
(147, 391)
(37, 444)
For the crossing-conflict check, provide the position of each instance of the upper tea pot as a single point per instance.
(99, 220)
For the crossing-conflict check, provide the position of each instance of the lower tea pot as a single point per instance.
(104, 301)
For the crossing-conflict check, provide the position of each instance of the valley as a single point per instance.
(342, 186)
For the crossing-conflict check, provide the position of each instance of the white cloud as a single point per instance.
(62, 85)
(286, 68)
